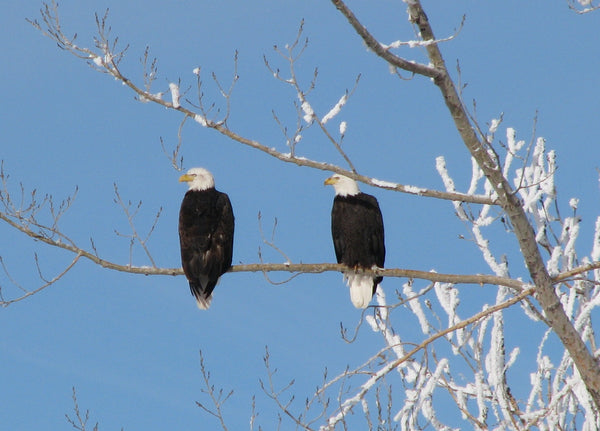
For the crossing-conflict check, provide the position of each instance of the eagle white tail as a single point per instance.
(199, 291)
(361, 289)
(203, 303)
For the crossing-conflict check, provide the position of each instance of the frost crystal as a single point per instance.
(384, 184)
(596, 248)
(335, 110)
(308, 112)
(174, 94)
(200, 119)
(573, 203)
(494, 125)
(196, 71)
(414, 190)
(343, 127)
(416, 308)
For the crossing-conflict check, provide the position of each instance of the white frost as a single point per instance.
(196, 71)
(384, 184)
(596, 248)
(447, 296)
(174, 94)
(573, 202)
(146, 99)
(308, 112)
(336, 109)
(201, 120)
(440, 165)
(414, 190)
(494, 125)
(343, 127)
(416, 308)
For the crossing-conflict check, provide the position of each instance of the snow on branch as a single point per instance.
(200, 113)
(336, 109)
(418, 400)
(423, 43)
(291, 55)
(575, 283)
(583, 6)
(380, 49)
(484, 398)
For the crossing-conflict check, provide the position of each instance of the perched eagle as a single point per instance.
(206, 225)
(358, 239)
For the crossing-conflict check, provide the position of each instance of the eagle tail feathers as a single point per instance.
(203, 295)
(362, 287)
(203, 303)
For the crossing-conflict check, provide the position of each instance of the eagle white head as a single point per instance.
(198, 179)
(343, 185)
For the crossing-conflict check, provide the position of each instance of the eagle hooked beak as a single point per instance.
(186, 178)
(330, 181)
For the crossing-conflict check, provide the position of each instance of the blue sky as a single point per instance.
(128, 343)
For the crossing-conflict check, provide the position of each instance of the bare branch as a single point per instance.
(217, 396)
(276, 394)
(134, 236)
(79, 422)
(7, 302)
(381, 50)
(545, 293)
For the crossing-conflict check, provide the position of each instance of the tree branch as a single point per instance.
(576, 271)
(47, 283)
(108, 62)
(545, 293)
(390, 366)
(381, 50)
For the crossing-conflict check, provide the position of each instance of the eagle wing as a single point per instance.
(374, 232)
(223, 234)
(357, 231)
(206, 227)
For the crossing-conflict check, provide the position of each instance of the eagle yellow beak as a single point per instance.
(330, 181)
(185, 178)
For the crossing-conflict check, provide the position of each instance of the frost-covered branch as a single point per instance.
(108, 61)
(507, 198)
(421, 43)
(306, 112)
(350, 402)
(382, 50)
(583, 6)
(466, 359)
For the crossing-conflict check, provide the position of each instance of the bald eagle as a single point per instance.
(206, 225)
(358, 238)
